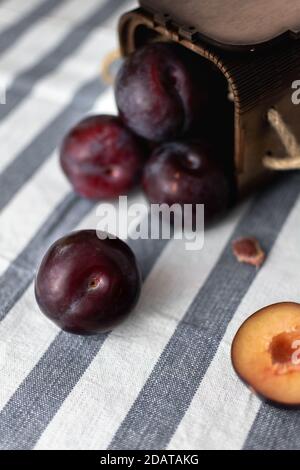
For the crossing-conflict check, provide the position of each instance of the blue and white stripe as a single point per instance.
(162, 380)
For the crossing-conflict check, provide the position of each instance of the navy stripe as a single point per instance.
(274, 429)
(163, 401)
(39, 397)
(29, 160)
(20, 273)
(12, 33)
(25, 81)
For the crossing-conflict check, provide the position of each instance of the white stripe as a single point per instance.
(13, 10)
(223, 409)
(112, 23)
(27, 333)
(115, 377)
(18, 219)
(47, 33)
(31, 206)
(106, 103)
(53, 94)
(20, 128)
(20, 6)
(60, 85)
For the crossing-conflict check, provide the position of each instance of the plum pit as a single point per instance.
(281, 347)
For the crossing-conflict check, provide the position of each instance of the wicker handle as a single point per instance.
(289, 141)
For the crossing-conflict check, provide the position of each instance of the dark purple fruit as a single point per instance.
(185, 173)
(157, 94)
(87, 285)
(101, 158)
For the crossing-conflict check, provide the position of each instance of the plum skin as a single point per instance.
(156, 94)
(186, 173)
(86, 285)
(101, 157)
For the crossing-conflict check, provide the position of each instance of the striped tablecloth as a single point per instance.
(162, 380)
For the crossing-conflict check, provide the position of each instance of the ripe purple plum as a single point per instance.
(101, 157)
(87, 285)
(186, 173)
(157, 94)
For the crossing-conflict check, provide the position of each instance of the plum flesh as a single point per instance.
(266, 353)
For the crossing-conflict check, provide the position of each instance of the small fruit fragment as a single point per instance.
(87, 285)
(157, 94)
(186, 173)
(248, 250)
(266, 353)
(101, 158)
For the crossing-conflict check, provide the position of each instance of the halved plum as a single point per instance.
(265, 353)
